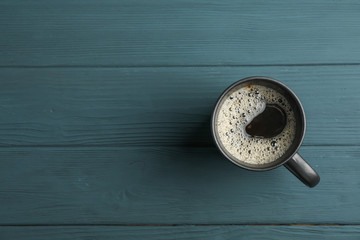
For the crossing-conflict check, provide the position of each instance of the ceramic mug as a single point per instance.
(291, 159)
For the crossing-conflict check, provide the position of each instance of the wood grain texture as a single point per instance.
(171, 185)
(105, 109)
(184, 32)
(160, 106)
(183, 232)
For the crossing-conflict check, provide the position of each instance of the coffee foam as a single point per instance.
(238, 109)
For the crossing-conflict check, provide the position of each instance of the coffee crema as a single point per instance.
(255, 124)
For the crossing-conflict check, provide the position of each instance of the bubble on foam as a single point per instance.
(242, 106)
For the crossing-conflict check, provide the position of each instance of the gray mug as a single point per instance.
(291, 158)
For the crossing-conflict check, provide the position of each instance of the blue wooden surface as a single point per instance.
(160, 106)
(104, 131)
(184, 232)
(183, 32)
(171, 185)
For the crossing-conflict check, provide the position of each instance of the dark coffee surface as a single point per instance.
(269, 123)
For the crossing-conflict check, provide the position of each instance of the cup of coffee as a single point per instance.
(259, 124)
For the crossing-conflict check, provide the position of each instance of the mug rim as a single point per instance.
(297, 100)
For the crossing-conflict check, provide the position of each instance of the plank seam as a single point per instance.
(183, 66)
(178, 225)
(149, 146)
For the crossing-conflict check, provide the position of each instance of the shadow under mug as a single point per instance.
(290, 159)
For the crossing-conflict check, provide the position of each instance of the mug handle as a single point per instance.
(302, 170)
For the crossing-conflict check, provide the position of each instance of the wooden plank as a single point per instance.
(171, 185)
(160, 106)
(183, 232)
(185, 32)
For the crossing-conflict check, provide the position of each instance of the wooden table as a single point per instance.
(105, 108)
